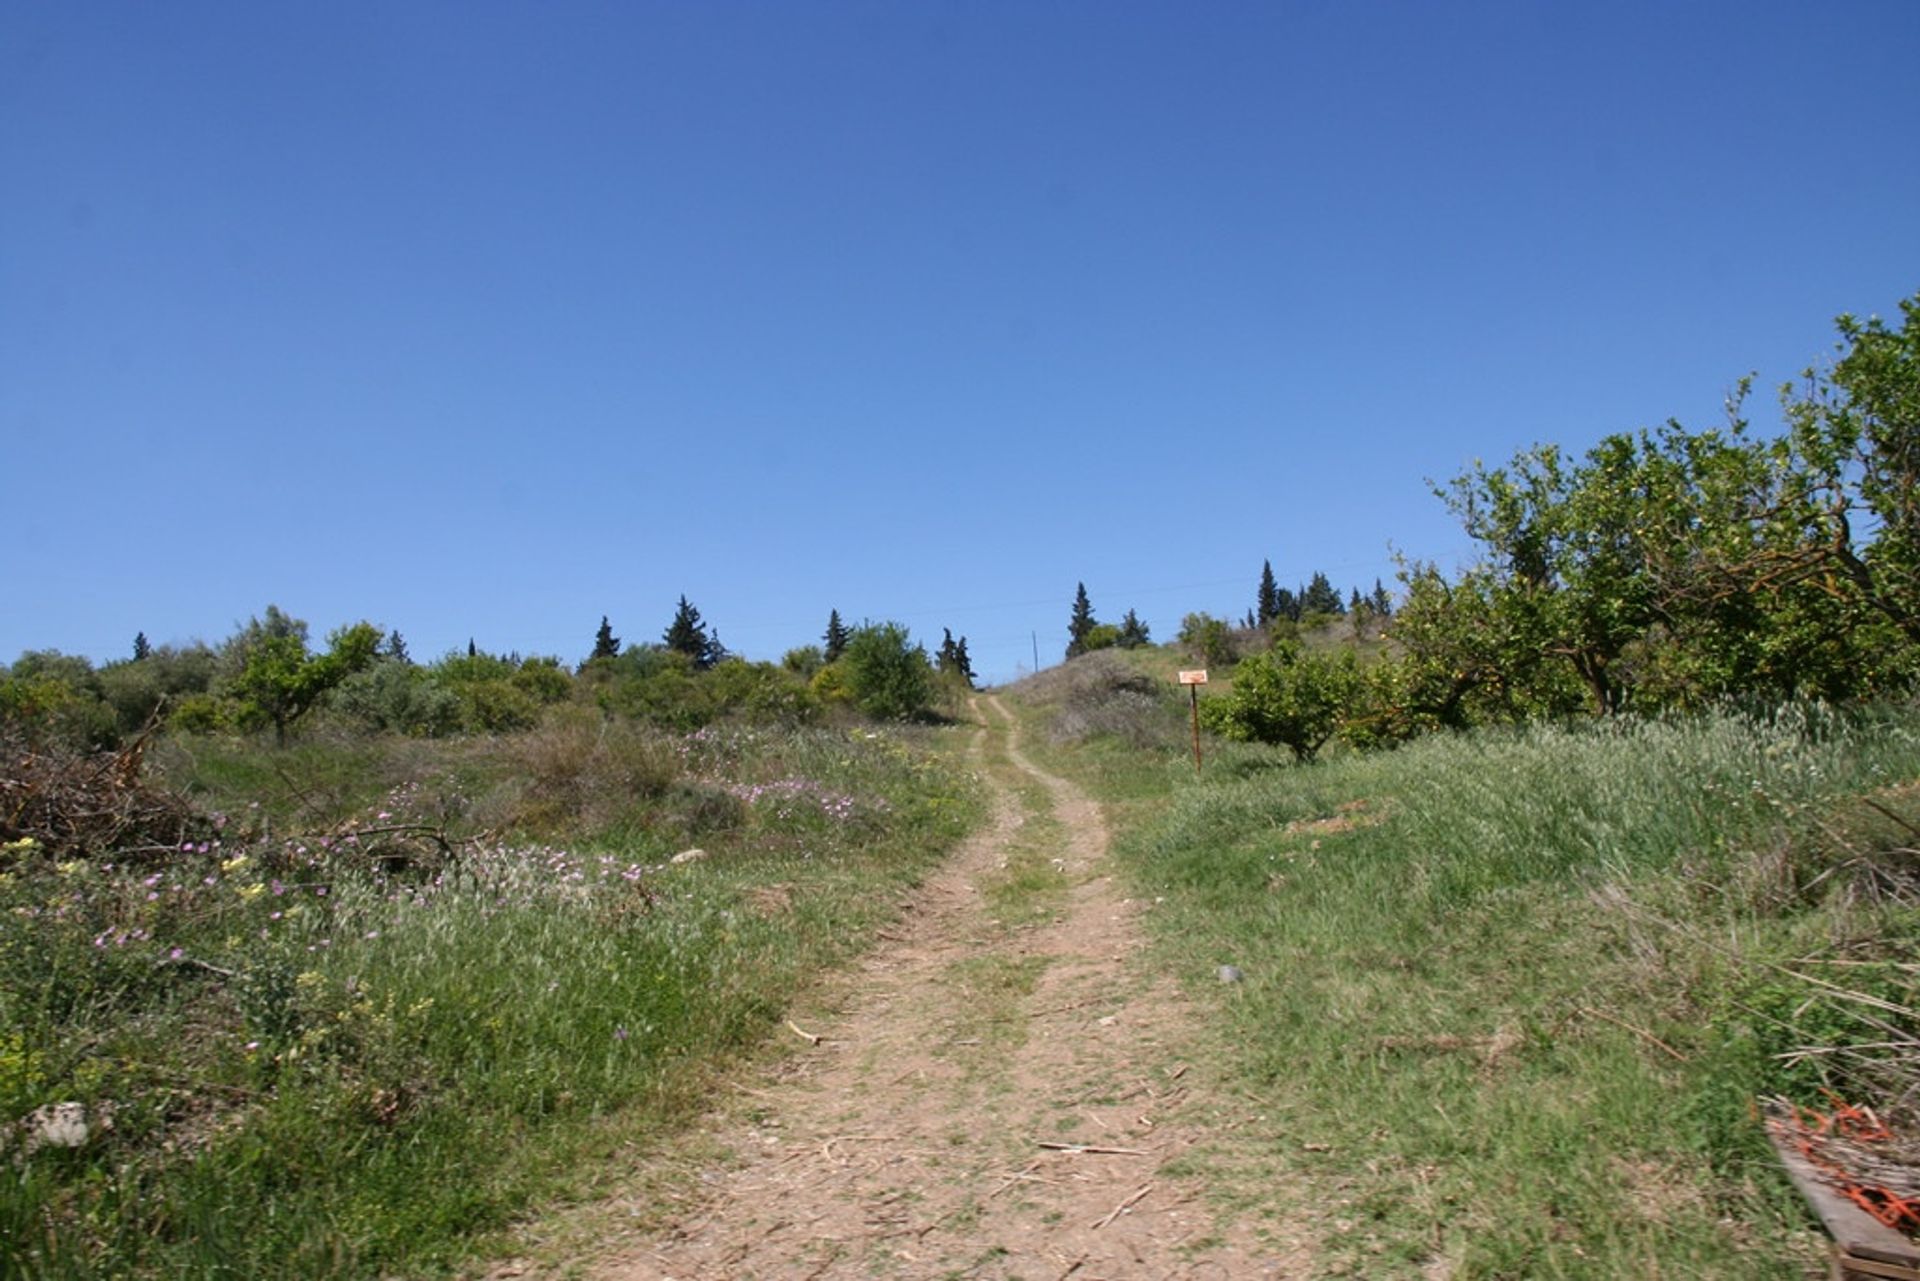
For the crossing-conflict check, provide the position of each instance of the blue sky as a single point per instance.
(483, 320)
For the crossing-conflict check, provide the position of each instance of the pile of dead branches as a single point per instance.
(86, 804)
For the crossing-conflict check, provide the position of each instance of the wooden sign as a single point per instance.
(1194, 678)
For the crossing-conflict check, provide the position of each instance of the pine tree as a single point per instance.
(953, 657)
(473, 651)
(1321, 598)
(686, 634)
(1081, 623)
(1382, 603)
(1133, 632)
(1267, 604)
(396, 649)
(605, 643)
(836, 637)
(140, 647)
(1353, 601)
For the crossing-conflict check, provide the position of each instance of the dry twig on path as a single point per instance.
(1082, 1149)
(1125, 1205)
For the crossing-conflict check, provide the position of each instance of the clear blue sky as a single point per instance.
(483, 321)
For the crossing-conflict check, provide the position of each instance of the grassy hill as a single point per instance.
(1510, 998)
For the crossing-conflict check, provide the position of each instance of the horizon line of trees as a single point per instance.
(270, 675)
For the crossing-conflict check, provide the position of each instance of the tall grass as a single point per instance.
(325, 1056)
(1509, 997)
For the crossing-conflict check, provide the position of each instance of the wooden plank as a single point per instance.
(1861, 1239)
(1851, 1267)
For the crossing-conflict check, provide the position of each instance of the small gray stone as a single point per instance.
(1230, 974)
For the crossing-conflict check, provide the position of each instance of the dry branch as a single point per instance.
(1082, 1149)
(1125, 1205)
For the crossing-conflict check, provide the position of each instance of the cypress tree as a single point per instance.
(1267, 604)
(397, 647)
(605, 643)
(140, 647)
(1081, 623)
(686, 634)
(953, 657)
(1321, 598)
(1133, 632)
(1382, 603)
(836, 637)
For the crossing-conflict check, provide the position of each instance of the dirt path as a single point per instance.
(932, 1132)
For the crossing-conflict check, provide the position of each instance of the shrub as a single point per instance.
(1208, 640)
(804, 661)
(1102, 695)
(399, 698)
(888, 677)
(1291, 696)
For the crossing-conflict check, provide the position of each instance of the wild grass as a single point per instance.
(403, 993)
(1510, 998)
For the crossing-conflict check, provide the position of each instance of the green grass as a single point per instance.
(319, 1068)
(1507, 996)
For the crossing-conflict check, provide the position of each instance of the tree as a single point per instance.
(1267, 602)
(140, 647)
(1208, 639)
(887, 676)
(686, 634)
(396, 649)
(605, 643)
(1133, 632)
(1856, 433)
(804, 660)
(1080, 624)
(279, 681)
(1320, 597)
(952, 658)
(836, 636)
(1291, 696)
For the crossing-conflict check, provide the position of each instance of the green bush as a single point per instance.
(1291, 696)
(398, 698)
(1208, 640)
(888, 676)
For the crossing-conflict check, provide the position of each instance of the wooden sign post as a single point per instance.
(1193, 681)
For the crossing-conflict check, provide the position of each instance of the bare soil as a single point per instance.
(986, 1099)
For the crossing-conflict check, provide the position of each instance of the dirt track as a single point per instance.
(987, 1101)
